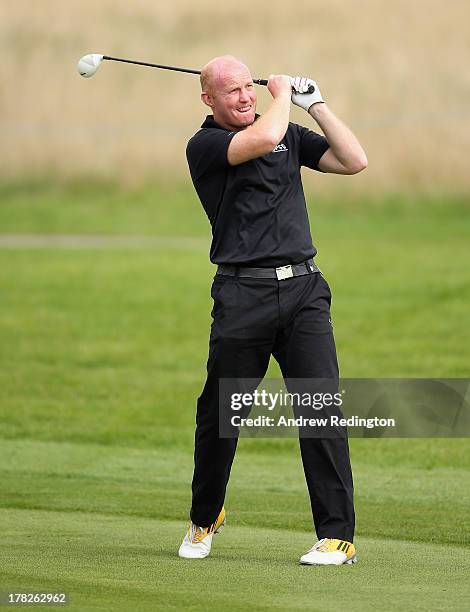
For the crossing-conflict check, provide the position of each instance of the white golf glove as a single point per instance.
(300, 96)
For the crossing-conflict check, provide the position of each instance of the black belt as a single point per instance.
(281, 273)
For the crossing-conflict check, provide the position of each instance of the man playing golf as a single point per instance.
(269, 296)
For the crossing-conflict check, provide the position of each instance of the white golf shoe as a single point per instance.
(198, 540)
(330, 551)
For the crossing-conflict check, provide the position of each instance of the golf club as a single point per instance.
(89, 64)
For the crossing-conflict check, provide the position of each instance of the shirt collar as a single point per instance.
(210, 122)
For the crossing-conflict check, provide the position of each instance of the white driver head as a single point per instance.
(89, 64)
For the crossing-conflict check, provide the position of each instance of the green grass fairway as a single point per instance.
(102, 356)
(129, 563)
(104, 523)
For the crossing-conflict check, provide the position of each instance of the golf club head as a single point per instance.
(89, 64)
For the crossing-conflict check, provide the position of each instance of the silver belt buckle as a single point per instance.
(284, 272)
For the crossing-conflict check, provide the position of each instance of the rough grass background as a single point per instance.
(396, 72)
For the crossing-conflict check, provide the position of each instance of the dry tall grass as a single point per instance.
(396, 72)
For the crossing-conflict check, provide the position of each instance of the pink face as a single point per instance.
(233, 99)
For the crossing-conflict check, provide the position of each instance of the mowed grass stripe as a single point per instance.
(114, 561)
(393, 501)
(86, 241)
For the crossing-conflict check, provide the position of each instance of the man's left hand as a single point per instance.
(300, 86)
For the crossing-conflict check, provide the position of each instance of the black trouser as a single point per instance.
(290, 319)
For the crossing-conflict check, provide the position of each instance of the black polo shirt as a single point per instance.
(257, 209)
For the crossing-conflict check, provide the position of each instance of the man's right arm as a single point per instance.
(265, 133)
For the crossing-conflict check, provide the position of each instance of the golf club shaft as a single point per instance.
(188, 70)
(126, 61)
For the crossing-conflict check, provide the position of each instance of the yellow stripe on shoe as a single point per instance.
(199, 533)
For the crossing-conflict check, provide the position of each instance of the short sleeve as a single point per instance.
(312, 147)
(206, 151)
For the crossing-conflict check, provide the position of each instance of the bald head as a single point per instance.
(227, 87)
(218, 70)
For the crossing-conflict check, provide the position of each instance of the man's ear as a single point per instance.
(207, 99)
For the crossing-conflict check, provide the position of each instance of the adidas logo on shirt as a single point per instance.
(280, 147)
